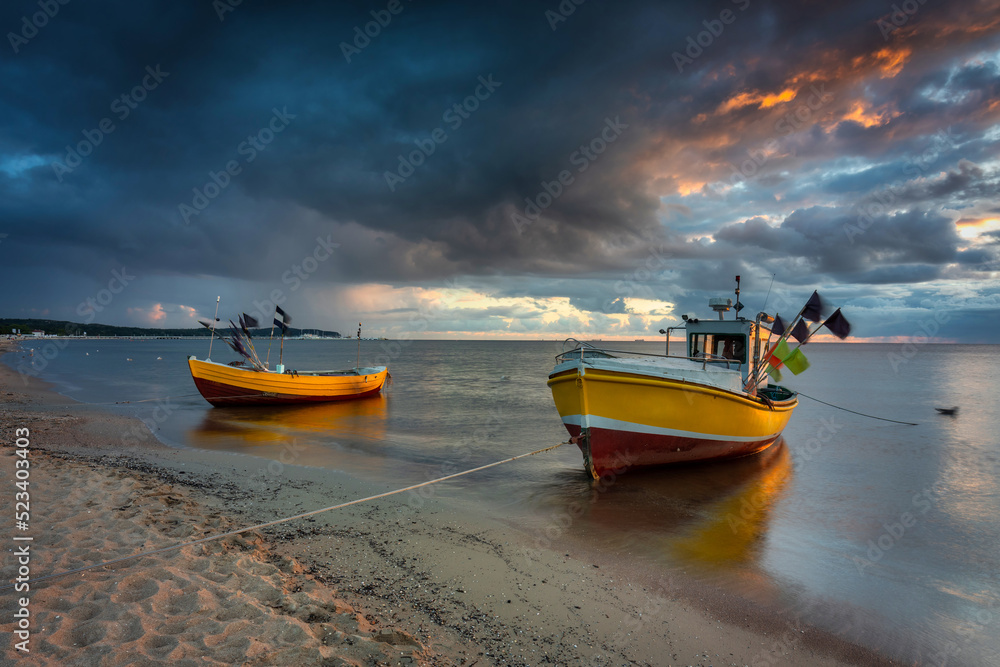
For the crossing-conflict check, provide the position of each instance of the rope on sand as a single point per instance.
(277, 521)
(895, 421)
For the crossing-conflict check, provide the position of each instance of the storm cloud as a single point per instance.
(524, 169)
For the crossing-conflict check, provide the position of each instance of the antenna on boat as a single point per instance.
(211, 336)
(739, 306)
(768, 296)
(359, 348)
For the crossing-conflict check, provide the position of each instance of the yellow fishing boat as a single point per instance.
(222, 384)
(252, 382)
(627, 410)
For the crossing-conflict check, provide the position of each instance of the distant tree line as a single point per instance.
(63, 328)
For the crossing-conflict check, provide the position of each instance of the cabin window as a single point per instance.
(721, 345)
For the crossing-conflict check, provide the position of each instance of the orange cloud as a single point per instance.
(869, 117)
(970, 228)
(151, 316)
(761, 100)
(891, 62)
(888, 61)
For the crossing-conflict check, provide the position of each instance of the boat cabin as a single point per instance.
(731, 342)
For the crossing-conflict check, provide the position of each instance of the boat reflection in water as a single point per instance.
(338, 435)
(733, 529)
(712, 515)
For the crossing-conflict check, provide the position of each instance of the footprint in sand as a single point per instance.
(126, 630)
(84, 612)
(88, 633)
(134, 589)
(238, 611)
(159, 646)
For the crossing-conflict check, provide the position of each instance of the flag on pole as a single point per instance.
(796, 362)
(814, 308)
(838, 325)
(774, 373)
(251, 322)
(801, 331)
(285, 320)
(779, 325)
(778, 354)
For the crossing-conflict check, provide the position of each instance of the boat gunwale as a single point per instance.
(347, 372)
(651, 380)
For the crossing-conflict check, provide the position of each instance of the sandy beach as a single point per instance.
(381, 583)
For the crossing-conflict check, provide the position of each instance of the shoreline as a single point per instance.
(438, 585)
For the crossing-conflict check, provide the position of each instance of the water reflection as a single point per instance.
(733, 531)
(713, 515)
(337, 435)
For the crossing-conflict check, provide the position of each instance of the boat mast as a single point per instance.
(211, 336)
(267, 361)
(281, 347)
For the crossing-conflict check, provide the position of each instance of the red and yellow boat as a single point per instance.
(627, 410)
(223, 385)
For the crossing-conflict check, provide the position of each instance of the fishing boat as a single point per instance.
(627, 410)
(250, 381)
(222, 384)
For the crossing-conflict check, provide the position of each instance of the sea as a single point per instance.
(884, 533)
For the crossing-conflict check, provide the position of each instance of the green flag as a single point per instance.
(774, 373)
(778, 354)
(796, 362)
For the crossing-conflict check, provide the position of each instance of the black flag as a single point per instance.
(281, 325)
(814, 308)
(779, 325)
(285, 317)
(251, 322)
(801, 331)
(838, 325)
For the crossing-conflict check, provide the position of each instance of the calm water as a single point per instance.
(884, 533)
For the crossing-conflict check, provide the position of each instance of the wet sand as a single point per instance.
(380, 583)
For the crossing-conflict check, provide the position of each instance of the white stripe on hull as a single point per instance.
(617, 425)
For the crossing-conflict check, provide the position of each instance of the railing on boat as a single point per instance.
(703, 358)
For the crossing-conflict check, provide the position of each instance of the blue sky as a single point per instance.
(528, 170)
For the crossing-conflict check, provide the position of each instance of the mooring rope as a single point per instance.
(895, 421)
(81, 404)
(277, 521)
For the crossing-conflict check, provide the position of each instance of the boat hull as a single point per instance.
(223, 385)
(623, 421)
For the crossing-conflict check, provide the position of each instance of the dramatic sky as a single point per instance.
(532, 170)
